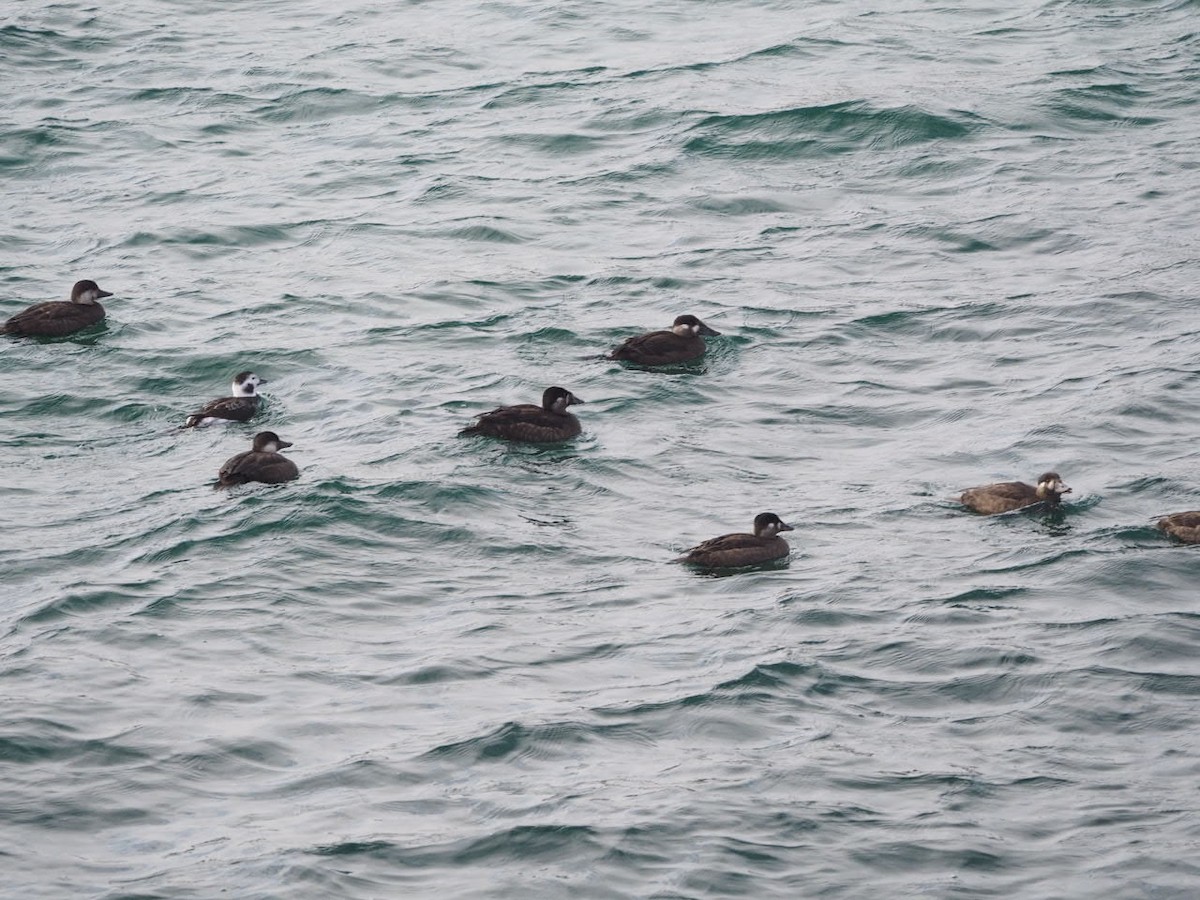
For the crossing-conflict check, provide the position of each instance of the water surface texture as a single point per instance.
(945, 245)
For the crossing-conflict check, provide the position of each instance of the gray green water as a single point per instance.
(945, 244)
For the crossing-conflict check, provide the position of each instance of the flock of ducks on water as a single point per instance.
(548, 423)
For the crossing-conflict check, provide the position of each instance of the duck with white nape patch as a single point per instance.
(1008, 496)
(740, 549)
(240, 406)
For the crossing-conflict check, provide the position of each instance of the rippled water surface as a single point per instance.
(945, 245)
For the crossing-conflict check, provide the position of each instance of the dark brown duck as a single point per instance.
(1184, 526)
(262, 463)
(661, 348)
(732, 550)
(534, 424)
(239, 407)
(59, 318)
(992, 499)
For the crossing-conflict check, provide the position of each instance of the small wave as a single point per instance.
(822, 130)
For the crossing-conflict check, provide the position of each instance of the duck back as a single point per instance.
(660, 348)
(525, 422)
(257, 465)
(732, 550)
(1005, 497)
(57, 318)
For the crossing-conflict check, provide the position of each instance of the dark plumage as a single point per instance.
(59, 318)
(1184, 526)
(731, 550)
(535, 424)
(240, 407)
(1010, 495)
(263, 463)
(661, 348)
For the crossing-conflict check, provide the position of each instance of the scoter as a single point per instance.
(992, 499)
(240, 407)
(1184, 526)
(58, 318)
(534, 424)
(681, 343)
(733, 550)
(262, 463)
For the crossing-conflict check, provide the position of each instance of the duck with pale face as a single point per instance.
(683, 342)
(734, 550)
(240, 406)
(262, 462)
(1007, 496)
(58, 318)
(526, 422)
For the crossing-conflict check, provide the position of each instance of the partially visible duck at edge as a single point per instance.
(240, 406)
(58, 318)
(681, 343)
(263, 462)
(534, 424)
(733, 550)
(992, 499)
(1184, 526)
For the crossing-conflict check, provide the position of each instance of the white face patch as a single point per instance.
(246, 388)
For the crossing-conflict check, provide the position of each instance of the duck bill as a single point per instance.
(100, 293)
(785, 527)
(709, 332)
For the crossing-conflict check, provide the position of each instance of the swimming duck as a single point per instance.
(1184, 526)
(59, 318)
(240, 407)
(526, 422)
(262, 463)
(1009, 495)
(662, 348)
(731, 550)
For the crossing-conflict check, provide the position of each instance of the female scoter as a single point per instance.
(662, 348)
(731, 550)
(59, 318)
(263, 463)
(526, 422)
(1184, 526)
(1009, 495)
(240, 407)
